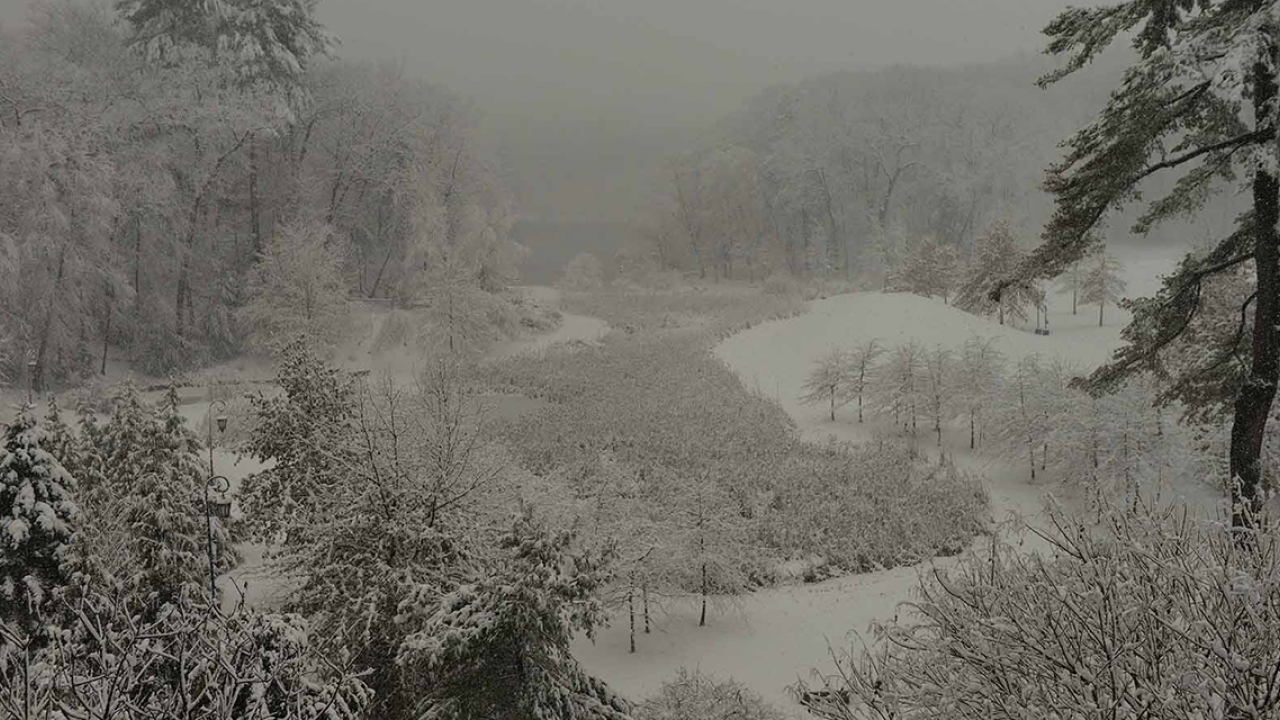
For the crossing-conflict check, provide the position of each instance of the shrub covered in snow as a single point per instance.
(1155, 616)
(109, 659)
(695, 696)
(664, 406)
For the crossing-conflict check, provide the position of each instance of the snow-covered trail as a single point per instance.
(573, 328)
(774, 636)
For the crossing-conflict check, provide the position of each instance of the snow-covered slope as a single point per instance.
(775, 636)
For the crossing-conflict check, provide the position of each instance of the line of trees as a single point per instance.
(1028, 411)
(842, 175)
(183, 182)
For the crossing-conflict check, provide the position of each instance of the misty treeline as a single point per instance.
(848, 175)
(837, 174)
(185, 181)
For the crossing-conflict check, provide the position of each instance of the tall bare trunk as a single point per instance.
(1253, 403)
(255, 222)
(46, 335)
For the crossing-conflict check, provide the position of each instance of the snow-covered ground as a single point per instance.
(772, 637)
(573, 328)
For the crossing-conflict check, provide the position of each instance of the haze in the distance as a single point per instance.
(590, 96)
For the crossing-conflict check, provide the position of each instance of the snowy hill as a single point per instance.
(777, 635)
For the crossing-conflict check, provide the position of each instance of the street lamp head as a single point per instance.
(222, 423)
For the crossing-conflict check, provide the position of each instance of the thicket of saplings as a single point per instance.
(677, 457)
(1027, 411)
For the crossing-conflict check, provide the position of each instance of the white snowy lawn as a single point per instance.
(772, 637)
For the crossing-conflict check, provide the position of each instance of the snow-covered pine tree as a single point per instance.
(997, 256)
(376, 491)
(60, 440)
(166, 510)
(1102, 282)
(860, 364)
(825, 381)
(269, 41)
(305, 431)
(38, 518)
(498, 646)
(1200, 100)
(147, 500)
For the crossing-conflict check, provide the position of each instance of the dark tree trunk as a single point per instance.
(255, 221)
(1253, 404)
(631, 609)
(106, 339)
(46, 336)
(833, 404)
(972, 428)
(702, 621)
(644, 597)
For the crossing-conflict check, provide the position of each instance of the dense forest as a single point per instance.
(177, 190)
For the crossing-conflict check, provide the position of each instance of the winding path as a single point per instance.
(774, 636)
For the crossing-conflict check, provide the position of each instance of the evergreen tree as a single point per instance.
(38, 518)
(60, 440)
(498, 647)
(998, 255)
(1102, 282)
(305, 431)
(1200, 99)
(267, 40)
(149, 501)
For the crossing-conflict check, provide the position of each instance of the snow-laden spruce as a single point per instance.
(38, 517)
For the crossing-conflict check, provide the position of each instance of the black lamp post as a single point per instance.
(219, 484)
(220, 510)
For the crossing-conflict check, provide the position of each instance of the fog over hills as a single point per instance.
(591, 97)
